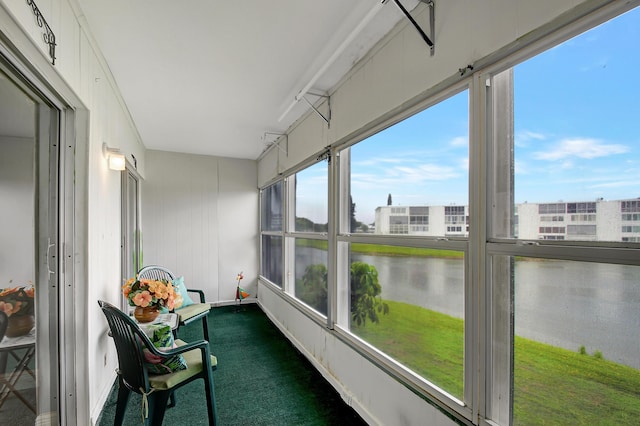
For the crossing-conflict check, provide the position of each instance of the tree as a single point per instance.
(314, 285)
(366, 302)
(354, 223)
(389, 199)
(365, 294)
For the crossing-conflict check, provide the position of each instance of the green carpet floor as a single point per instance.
(261, 379)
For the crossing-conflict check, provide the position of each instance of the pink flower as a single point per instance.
(142, 299)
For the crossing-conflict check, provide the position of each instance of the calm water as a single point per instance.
(563, 303)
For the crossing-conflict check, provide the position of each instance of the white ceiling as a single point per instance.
(212, 77)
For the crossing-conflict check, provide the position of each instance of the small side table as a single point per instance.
(169, 319)
(12, 346)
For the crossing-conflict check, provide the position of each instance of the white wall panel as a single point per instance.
(268, 166)
(238, 223)
(80, 72)
(201, 220)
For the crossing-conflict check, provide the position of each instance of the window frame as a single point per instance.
(488, 386)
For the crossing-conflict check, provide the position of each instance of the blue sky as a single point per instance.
(577, 134)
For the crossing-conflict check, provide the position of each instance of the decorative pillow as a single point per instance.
(162, 338)
(182, 296)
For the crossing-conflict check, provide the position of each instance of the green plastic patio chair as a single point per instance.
(188, 314)
(156, 390)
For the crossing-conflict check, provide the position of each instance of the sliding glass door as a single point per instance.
(29, 253)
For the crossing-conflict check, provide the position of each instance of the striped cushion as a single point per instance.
(194, 366)
(191, 311)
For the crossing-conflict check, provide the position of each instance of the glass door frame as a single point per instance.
(60, 258)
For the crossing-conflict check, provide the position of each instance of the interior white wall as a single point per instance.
(17, 192)
(201, 220)
(82, 78)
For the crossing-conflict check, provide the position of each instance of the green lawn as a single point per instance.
(552, 385)
(382, 250)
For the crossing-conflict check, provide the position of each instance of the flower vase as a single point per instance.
(146, 314)
(19, 325)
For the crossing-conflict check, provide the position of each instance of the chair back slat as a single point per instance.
(127, 337)
(155, 272)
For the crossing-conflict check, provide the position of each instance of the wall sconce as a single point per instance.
(114, 157)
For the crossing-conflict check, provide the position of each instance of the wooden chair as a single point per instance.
(156, 390)
(188, 314)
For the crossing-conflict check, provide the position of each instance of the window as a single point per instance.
(408, 302)
(552, 208)
(581, 207)
(631, 229)
(521, 297)
(630, 206)
(574, 309)
(581, 230)
(309, 236)
(271, 224)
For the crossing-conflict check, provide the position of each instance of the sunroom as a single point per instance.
(436, 203)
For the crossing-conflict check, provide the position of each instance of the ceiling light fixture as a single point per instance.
(114, 157)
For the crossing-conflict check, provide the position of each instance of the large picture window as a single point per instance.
(411, 181)
(485, 251)
(576, 162)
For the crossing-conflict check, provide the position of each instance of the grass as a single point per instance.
(551, 385)
(384, 250)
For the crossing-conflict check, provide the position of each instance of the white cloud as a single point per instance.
(523, 138)
(580, 148)
(426, 172)
(459, 141)
(617, 184)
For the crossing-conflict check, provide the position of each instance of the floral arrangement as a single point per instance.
(146, 292)
(17, 301)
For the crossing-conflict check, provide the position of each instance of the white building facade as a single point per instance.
(616, 220)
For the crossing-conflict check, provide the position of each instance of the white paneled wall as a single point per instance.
(82, 78)
(201, 220)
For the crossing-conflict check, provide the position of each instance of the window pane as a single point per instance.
(311, 198)
(409, 303)
(577, 328)
(577, 153)
(272, 207)
(403, 178)
(311, 273)
(272, 258)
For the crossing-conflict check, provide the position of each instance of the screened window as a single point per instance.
(310, 251)
(311, 199)
(408, 302)
(575, 309)
(271, 200)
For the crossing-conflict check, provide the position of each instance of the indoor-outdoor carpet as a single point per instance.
(261, 379)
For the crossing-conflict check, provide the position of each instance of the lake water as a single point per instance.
(562, 303)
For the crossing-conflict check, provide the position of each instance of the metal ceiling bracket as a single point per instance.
(326, 119)
(49, 36)
(276, 142)
(432, 22)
